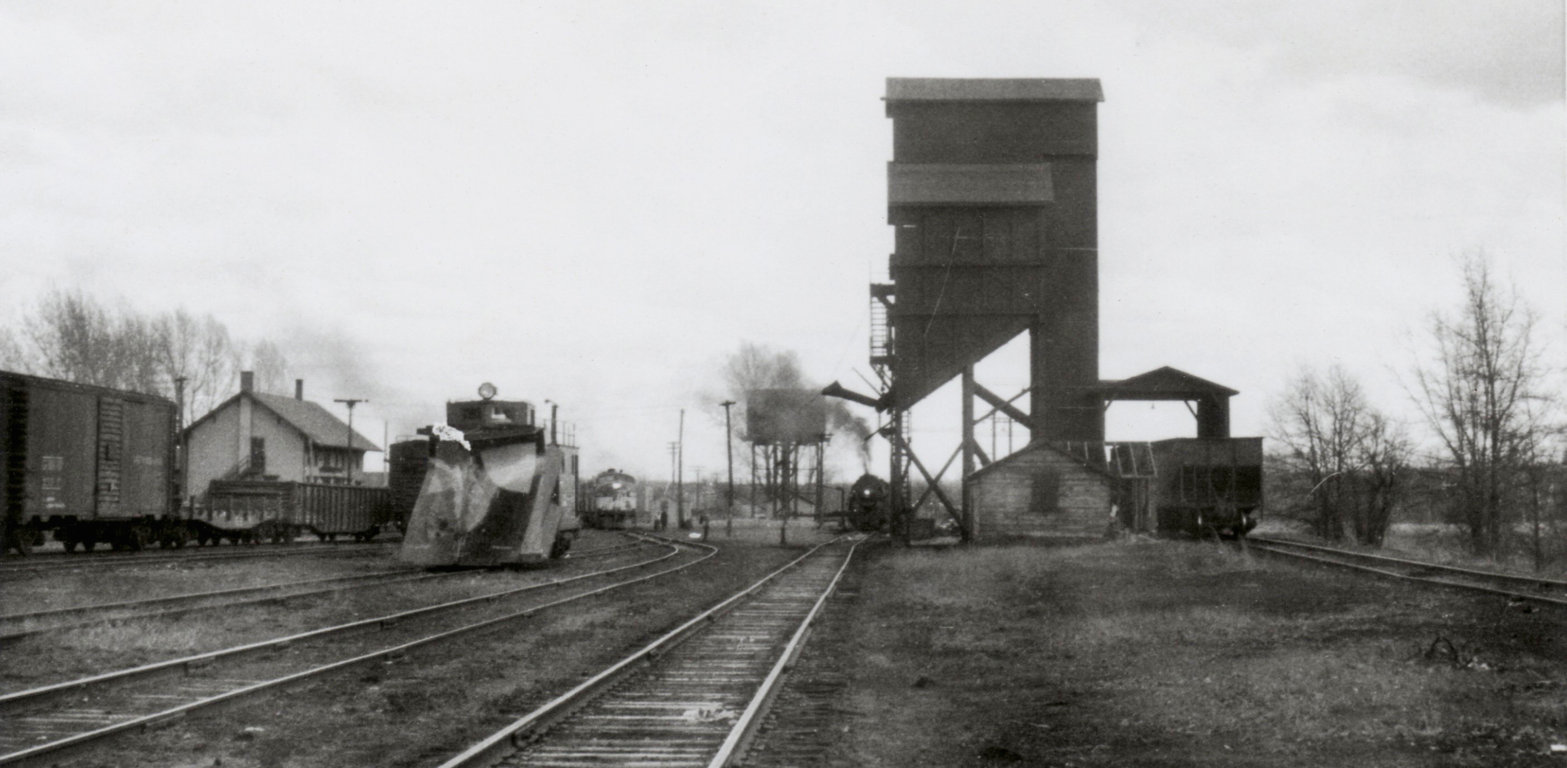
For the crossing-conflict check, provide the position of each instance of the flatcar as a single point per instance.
(869, 504)
(611, 501)
(91, 465)
(499, 489)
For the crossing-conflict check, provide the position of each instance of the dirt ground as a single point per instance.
(1138, 652)
(428, 706)
(1166, 653)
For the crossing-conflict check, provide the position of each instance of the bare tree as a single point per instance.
(200, 351)
(1483, 393)
(1350, 455)
(12, 355)
(138, 355)
(1381, 478)
(73, 338)
(755, 367)
(758, 367)
(270, 367)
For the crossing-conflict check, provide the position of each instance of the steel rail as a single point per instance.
(52, 749)
(1518, 578)
(10, 701)
(519, 733)
(257, 595)
(738, 742)
(1341, 558)
(260, 593)
(68, 561)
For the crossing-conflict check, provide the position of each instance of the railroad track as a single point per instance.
(37, 724)
(1513, 586)
(693, 697)
(69, 561)
(14, 626)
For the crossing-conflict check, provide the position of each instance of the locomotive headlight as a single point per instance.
(486, 390)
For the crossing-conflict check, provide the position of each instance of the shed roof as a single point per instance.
(1163, 383)
(314, 422)
(993, 89)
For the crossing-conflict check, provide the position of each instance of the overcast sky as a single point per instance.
(597, 203)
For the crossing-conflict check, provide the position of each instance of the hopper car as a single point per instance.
(611, 501)
(498, 489)
(90, 465)
(1207, 486)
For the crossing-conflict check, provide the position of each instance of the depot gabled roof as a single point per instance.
(311, 420)
(1164, 383)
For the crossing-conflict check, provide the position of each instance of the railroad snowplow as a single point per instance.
(499, 490)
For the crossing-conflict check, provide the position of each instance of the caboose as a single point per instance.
(498, 489)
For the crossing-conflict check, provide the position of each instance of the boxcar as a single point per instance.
(90, 464)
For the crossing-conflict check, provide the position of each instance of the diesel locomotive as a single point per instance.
(611, 502)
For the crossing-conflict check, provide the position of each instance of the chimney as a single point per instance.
(299, 389)
(247, 381)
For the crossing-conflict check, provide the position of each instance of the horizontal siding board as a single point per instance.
(1008, 504)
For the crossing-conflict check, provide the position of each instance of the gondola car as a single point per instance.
(612, 501)
(498, 490)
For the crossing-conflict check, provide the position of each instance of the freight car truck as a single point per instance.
(91, 465)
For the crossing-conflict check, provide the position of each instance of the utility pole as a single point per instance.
(680, 475)
(674, 450)
(179, 431)
(729, 455)
(349, 462)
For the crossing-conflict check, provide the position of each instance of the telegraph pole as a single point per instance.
(680, 475)
(674, 450)
(729, 454)
(350, 402)
(179, 431)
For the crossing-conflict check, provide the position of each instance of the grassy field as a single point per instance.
(1176, 653)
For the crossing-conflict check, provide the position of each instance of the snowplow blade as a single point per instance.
(484, 507)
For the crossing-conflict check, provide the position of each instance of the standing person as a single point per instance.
(663, 514)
